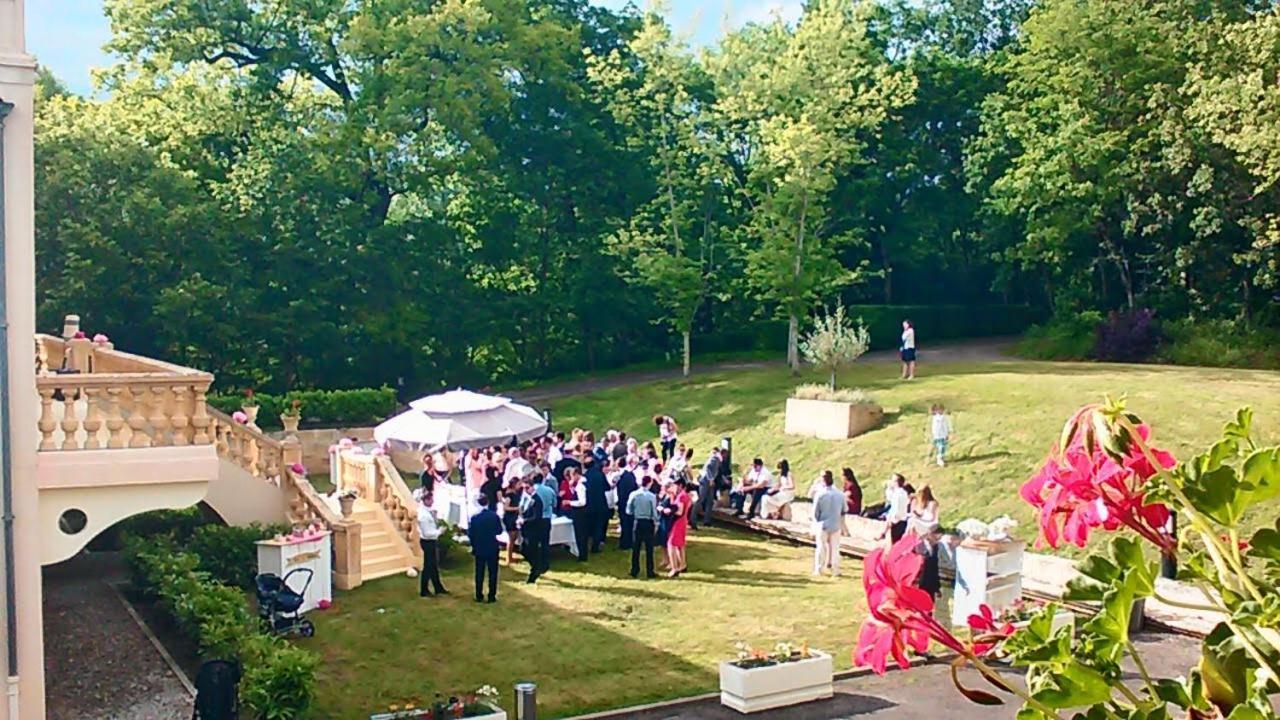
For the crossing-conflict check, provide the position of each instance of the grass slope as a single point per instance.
(591, 637)
(1006, 414)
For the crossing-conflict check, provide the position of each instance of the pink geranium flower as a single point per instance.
(298, 469)
(1089, 485)
(901, 613)
(987, 632)
(239, 417)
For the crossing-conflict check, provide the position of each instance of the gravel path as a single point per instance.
(98, 662)
(981, 350)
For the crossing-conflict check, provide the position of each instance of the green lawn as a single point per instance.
(591, 637)
(1006, 415)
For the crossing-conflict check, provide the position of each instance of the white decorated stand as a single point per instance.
(987, 573)
(281, 556)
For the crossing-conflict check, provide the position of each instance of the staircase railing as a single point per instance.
(375, 478)
(261, 455)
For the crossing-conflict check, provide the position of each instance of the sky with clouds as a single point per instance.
(67, 35)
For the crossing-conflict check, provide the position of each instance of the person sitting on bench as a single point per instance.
(755, 484)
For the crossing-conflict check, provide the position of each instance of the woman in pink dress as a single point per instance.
(679, 526)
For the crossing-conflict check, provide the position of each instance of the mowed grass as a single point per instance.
(1006, 414)
(590, 636)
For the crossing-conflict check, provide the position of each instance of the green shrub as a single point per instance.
(279, 679)
(1220, 343)
(1062, 338)
(817, 391)
(228, 553)
(178, 523)
(363, 406)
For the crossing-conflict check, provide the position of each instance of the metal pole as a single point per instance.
(6, 458)
(526, 701)
(1169, 565)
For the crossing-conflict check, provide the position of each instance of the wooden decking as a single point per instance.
(1044, 577)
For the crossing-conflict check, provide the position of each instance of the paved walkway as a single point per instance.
(98, 662)
(1044, 576)
(921, 693)
(983, 349)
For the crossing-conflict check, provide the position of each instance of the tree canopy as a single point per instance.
(298, 193)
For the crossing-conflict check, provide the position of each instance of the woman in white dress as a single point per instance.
(923, 513)
(781, 495)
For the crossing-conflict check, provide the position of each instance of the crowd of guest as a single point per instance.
(514, 495)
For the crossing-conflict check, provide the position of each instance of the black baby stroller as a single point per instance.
(279, 603)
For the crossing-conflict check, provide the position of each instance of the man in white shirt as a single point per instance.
(898, 502)
(555, 453)
(428, 537)
(579, 513)
(755, 484)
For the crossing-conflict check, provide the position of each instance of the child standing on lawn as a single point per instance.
(940, 431)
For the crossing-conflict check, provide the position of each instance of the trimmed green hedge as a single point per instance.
(362, 406)
(278, 681)
(932, 323)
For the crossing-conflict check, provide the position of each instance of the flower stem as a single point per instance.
(991, 674)
(1142, 668)
(1185, 605)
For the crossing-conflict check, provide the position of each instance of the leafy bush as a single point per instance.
(229, 554)
(361, 406)
(279, 679)
(822, 392)
(1068, 337)
(1132, 336)
(1220, 343)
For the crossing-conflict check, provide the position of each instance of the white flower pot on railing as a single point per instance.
(773, 686)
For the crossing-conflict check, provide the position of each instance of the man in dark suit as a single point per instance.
(531, 528)
(707, 490)
(626, 524)
(483, 532)
(597, 502)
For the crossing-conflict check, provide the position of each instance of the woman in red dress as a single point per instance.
(679, 526)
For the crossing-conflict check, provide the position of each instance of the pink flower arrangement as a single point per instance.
(1097, 479)
(79, 335)
(377, 452)
(333, 449)
(345, 443)
(239, 417)
(101, 339)
(298, 469)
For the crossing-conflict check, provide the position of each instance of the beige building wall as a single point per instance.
(17, 75)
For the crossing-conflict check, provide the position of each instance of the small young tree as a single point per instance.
(835, 342)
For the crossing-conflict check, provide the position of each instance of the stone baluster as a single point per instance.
(92, 418)
(136, 400)
(70, 420)
(115, 419)
(159, 417)
(180, 420)
(200, 419)
(47, 422)
(244, 449)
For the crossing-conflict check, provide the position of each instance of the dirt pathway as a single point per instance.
(981, 350)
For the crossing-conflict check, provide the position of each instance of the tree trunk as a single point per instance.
(832, 383)
(685, 334)
(793, 343)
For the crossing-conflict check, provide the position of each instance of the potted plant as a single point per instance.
(347, 502)
(291, 417)
(823, 411)
(1022, 611)
(250, 408)
(759, 680)
(479, 705)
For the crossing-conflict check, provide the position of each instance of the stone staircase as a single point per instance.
(383, 551)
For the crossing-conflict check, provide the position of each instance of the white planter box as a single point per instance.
(831, 420)
(497, 714)
(774, 686)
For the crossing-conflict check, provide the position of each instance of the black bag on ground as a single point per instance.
(217, 694)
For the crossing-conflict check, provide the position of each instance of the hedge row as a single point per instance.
(278, 681)
(363, 406)
(932, 323)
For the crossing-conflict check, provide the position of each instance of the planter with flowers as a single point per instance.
(760, 680)
(480, 705)
(250, 409)
(347, 502)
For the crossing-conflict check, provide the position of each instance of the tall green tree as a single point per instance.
(808, 102)
(660, 97)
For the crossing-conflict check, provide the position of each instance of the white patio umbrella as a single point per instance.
(460, 420)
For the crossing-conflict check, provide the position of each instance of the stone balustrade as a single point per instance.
(375, 478)
(259, 454)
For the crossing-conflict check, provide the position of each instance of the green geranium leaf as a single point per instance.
(1244, 712)
(1173, 691)
(1261, 475)
(1215, 492)
(1266, 543)
(1074, 685)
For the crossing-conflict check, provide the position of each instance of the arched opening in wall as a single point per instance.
(181, 522)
